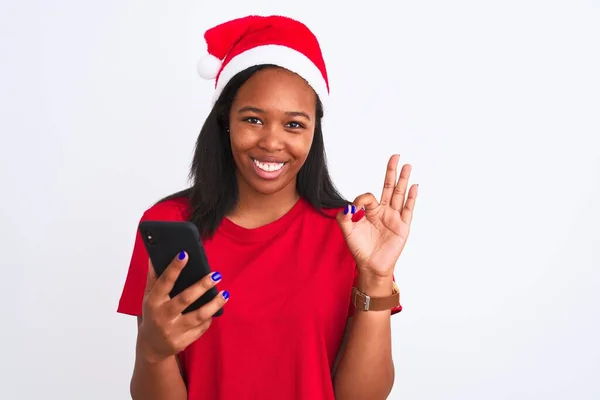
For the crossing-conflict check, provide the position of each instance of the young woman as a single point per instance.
(310, 274)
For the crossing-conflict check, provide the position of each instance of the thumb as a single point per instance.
(344, 218)
(150, 278)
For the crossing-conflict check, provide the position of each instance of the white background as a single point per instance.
(496, 105)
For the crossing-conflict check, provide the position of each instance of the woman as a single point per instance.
(296, 257)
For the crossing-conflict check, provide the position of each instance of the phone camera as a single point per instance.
(149, 238)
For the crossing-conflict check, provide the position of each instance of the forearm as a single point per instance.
(157, 381)
(366, 368)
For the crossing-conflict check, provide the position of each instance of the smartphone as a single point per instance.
(163, 241)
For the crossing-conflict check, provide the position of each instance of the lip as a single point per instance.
(268, 159)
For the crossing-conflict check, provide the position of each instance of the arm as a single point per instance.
(365, 369)
(376, 240)
(156, 381)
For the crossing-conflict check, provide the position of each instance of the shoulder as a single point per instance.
(175, 209)
(322, 224)
(325, 216)
(329, 215)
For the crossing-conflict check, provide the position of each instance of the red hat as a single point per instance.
(241, 43)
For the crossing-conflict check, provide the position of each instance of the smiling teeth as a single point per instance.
(268, 167)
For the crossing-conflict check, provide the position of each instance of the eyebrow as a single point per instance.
(261, 111)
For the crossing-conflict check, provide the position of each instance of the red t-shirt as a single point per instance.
(290, 283)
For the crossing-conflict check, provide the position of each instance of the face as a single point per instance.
(272, 124)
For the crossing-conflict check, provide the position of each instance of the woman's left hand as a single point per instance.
(377, 240)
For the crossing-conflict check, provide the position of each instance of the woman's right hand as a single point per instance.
(164, 330)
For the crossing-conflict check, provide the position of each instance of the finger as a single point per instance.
(398, 197)
(390, 179)
(150, 278)
(353, 212)
(164, 283)
(407, 211)
(192, 293)
(190, 336)
(368, 202)
(348, 216)
(345, 215)
(196, 318)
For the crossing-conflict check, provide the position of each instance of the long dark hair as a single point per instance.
(214, 190)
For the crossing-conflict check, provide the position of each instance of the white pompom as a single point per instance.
(209, 66)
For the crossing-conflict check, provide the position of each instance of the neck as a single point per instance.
(254, 209)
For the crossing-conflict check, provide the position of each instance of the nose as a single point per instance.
(272, 139)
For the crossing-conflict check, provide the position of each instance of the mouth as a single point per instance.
(268, 169)
(268, 166)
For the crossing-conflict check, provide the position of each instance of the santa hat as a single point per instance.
(236, 45)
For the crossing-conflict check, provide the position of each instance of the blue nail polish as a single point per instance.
(216, 277)
(346, 209)
(353, 209)
(225, 295)
(181, 255)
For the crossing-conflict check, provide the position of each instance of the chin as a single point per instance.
(269, 187)
(267, 191)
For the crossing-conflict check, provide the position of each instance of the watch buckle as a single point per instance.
(365, 300)
(366, 303)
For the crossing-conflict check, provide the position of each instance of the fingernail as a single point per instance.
(347, 209)
(225, 295)
(216, 277)
(353, 209)
(181, 255)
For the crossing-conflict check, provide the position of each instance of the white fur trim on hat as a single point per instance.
(208, 66)
(281, 56)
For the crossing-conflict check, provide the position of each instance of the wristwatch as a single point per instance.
(364, 302)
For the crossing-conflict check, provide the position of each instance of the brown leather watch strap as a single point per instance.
(363, 302)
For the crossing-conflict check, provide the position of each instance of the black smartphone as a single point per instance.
(164, 240)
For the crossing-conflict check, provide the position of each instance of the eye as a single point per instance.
(294, 125)
(253, 120)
